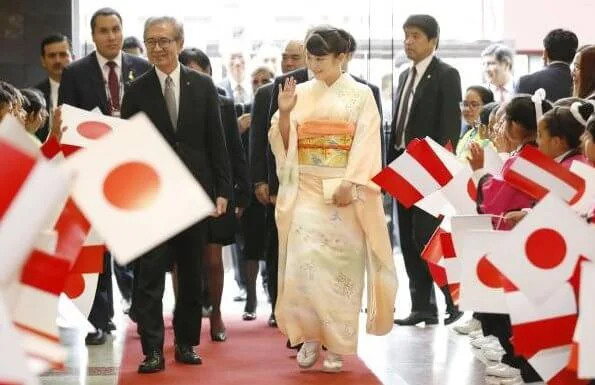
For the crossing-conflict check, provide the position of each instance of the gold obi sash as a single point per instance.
(324, 143)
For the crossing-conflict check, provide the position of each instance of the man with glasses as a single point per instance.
(99, 80)
(184, 106)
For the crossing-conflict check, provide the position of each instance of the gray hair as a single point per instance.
(178, 26)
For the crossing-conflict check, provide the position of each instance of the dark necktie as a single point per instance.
(404, 108)
(114, 87)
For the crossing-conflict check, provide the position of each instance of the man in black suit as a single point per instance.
(559, 49)
(184, 106)
(427, 104)
(99, 80)
(56, 54)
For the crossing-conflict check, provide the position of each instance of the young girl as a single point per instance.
(35, 110)
(589, 151)
(497, 197)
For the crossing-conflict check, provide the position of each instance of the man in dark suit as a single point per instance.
(56, 54)
(559, 49)
(427, 104)
(184, 106)
(99, 80)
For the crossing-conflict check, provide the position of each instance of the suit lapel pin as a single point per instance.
(187, 83)
(429, 76)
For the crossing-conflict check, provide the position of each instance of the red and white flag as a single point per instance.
(461, 192)
(13, 132)
(85, 128)
(136, 196)
(586, 333)
(551, 366)
(422, 169)
(536, 174)
(541, 252)
(583, 204)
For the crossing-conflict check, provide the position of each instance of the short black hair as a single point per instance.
(502, 53)
(104, 12)
(5, 97)
(352, 43)
(189, 55)
(327, 40)
(34, 101)
(485, 94)
(560, 45)
(132, 42)
(561, 122)
(521, 110)
(427, 24)
(486, 112)
(54, 38)
(15, 94)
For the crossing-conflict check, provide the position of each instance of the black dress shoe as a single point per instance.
(97, 338)
(416, 318)
(186, 355)
(453, 316)
(219, 336)
(152, 363)
(272, 321)
(249, 316)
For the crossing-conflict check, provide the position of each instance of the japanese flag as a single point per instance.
(461, 192)
(541, 252)
(135, 190)
(494, 161)
(422, 169)
(85, 128)
(481, 282)
(584, 202)
(536, 174)
(586, 336)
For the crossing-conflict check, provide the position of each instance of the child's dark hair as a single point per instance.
(568, 123)
(34, 101)
(521, 110)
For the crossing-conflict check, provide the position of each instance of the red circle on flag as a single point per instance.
(488, 274)
(472, 190)
(93, 130)
(75, 286)
(545, 248)
(132, 186)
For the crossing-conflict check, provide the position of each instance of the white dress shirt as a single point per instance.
(54, 87)
(502, 93)
(421, 68)
(105, 71)
(247, 94)
(175, 77)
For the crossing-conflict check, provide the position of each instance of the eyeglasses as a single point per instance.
(469, 104)
(163, 42)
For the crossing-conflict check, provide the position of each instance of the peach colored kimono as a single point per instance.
(324, 250)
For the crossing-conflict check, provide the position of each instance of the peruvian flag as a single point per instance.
(422, 169)
(540, 253)
(536, 174)
(551, 366)
(442, 262)
(136, 196)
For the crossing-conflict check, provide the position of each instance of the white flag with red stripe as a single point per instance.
(536, 174)
(541, 252)
(583, 204)
(136, 196)
(551, 366)
(586, 334)
(13, 132)
(422, 169)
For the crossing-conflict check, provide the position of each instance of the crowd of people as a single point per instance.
(288, 159)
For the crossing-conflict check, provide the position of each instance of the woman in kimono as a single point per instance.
(329, 214)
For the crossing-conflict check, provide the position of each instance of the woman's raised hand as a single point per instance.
(287, 96)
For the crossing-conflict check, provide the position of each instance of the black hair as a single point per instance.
(5, 97)
(426, 23)
(132, 42)
(560, 45)
(326, 40)
(55, 38)
(485, 94)
(502, 53)
(561, 122)
(34, 101)
(104, 12)
(352, 43)
(486, 112)
(189, 55)
(14, 92)
(591, 126)
(567, 102)
(521, 110)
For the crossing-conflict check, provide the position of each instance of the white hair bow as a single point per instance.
(577, 114)
(537, 98)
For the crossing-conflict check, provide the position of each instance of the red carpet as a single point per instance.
(253, 354)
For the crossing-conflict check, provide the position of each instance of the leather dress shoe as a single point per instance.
(416, 318)
(218, 336)
(153, 363)
(272, 322)
(186, 355)
(249, 316)
(453, 316)
(97, 338)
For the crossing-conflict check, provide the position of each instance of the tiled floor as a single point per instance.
(407, 356)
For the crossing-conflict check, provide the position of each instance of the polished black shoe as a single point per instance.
(97, 338)
(272, 321)
(416, 318)
(153, 363)
(219, 336)
(453, 316)
(186, 355)
(249, 316)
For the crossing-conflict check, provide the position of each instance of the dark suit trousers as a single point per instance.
(124, 278)
(186, 251)
(415, 230)
(272, 255)
(102, 310)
